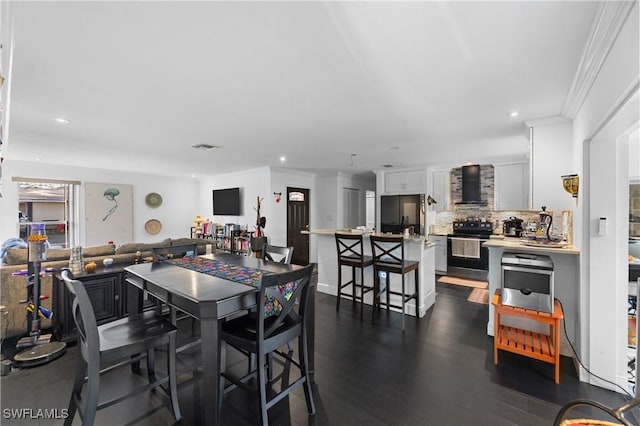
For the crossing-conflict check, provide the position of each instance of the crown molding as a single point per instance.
(606, 26)
(546, 121)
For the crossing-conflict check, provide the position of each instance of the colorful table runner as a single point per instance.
(239, 274)
(236, 273)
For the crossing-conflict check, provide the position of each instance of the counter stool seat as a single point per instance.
(388, 256)
(350, 254)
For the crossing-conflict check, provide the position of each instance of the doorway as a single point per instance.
(298, 221)
(350, 207)
(605, 246)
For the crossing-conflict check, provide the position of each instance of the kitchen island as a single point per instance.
(566, 284)
(323, 246)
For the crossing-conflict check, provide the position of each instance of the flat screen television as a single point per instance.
(226, 202)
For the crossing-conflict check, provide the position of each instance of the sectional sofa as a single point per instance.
(13, 291)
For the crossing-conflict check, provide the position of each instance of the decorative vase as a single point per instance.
(76, 261)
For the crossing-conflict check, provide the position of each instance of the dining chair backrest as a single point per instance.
(83, 317)
(286, 290)
(174, 252)
(262, 336)
(387, 250)
(277, 253)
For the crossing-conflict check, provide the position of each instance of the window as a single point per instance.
(296, 196)
(53, 203)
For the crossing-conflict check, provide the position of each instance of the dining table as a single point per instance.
(210, 298)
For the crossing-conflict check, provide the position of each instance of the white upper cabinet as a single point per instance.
(511, 186)
(441, 190)
(405, 182)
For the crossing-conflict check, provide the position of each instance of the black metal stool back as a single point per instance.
(388, 257)
(350, 253)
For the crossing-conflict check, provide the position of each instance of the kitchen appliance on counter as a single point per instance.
(527, 281)
(512, 227)
(466, 256)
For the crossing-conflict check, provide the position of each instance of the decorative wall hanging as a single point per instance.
(570, 183)
(153, 200)
(108, 213)
(153, 226)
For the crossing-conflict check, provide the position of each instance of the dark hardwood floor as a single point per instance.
(439, 372)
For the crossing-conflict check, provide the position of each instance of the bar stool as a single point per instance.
(350, 253)
(388, 256)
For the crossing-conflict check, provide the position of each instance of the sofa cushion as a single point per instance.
(105, 250)
(16, 256)
(134, 247)
(58, 254)
(200, 242)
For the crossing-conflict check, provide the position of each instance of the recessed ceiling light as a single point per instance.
(61, 120)
(37, 158)
(513, 114)
(283, 159)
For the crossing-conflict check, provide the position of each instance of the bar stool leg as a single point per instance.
(418, 300)
(353, 285)
(388, 290)
(361, 293)
(339, 287)
(403, 301)
(375, 302)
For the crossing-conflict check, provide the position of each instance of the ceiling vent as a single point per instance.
(205, 146)
(387, 166)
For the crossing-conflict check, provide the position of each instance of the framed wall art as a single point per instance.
(108, 213)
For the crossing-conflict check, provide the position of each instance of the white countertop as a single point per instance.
(415, 238)
(515, 243)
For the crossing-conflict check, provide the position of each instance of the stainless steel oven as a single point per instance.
(527, 281)
(464, 247)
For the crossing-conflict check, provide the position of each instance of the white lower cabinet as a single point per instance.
(441, 252)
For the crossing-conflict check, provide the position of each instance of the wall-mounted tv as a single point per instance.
(226, 202)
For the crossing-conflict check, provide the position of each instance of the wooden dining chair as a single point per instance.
(350, 254)
(114, 344)
(277, 253)
(280, 319)
(388, 257)
(614, 413)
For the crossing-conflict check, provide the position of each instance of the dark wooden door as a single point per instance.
(298, 220)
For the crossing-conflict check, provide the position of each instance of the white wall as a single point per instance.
(252, 183)
(552, 151)
(634, 156)
(261, 182)
(280, 180)
(180, 197)
(327, 197)
(601, 269)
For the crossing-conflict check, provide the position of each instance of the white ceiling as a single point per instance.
(402, 83)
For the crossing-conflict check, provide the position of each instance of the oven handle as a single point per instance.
(529, 269)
